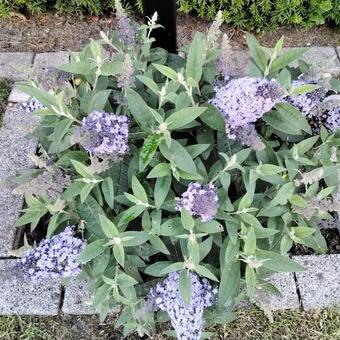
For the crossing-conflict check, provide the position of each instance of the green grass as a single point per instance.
(5, 89)
(250, 325)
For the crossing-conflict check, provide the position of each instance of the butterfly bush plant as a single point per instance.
(174, 186)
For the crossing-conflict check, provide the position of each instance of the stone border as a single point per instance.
(318, 286)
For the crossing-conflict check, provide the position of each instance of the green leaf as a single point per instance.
(148, 150)
(36, 209)
(81, 67)
(183, 117)
(160, 170)
(89, 211)
(173, 267)
(298, 201)
(210, 227)
(155, 269)
(185, 286)
(130, 214)
(167, 71)
(158, 244)
(149, 83)
(281, 123)
(102, 293)
(203, 271)
(294, 116)
(81, 169)
(286, 59)
(98, 101)
(52, 225)
(306, 145)
(119, 254)
(304, 89)
(108, 191)
(335, 84)
(257, 53)
(268, 169)
(85, 191)
(108, 227)
(162, 187)
(250, 242)
(213, 118)
(277, 262)
(134, 238)
(250, 281)
(230, 281)
(195, 59)
(302, 232)
(196, 149)
(112, 68)
(139, 191)
(139, 109)
(124, 280)
(179, 156)
(283, 195)
(187, 220)
(287, 119)
(91, 251)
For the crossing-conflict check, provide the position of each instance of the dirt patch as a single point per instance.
(51, 32)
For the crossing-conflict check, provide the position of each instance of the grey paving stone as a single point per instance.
(319, 285)
(10, 209)
(15, 150)
(77, 299)
(20, 296)
(15, 65)
(288, 299)
(338, 52)
(322, 59)
(19, 121)
(240, 59)
(51, 59)
(15, 143)
(16, 96)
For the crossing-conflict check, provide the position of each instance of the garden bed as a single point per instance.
(324, 268)
(48, 33)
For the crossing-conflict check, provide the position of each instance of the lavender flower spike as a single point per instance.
(125, 30)
(200, 200)
(104, 133)
(187, 319)
(54, 258)
(244, 100)
(31, 105)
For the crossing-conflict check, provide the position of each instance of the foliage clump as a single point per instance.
(185, 202)
(249, 14)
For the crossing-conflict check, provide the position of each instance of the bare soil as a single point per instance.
(52, 32)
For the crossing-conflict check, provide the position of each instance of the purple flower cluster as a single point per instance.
(305, 102)
(326, 113)
(200, 200)
(187, 319)
(332, 121)
(247, 135)
(31, 105)
(104, 133)
(54, 258)
(243, 101)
